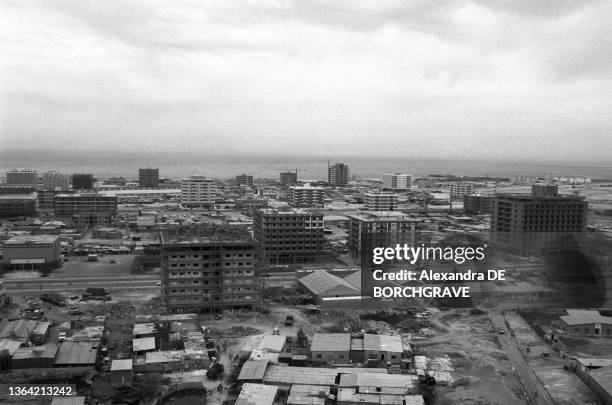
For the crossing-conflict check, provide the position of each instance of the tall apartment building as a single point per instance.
(477, 204)
(244, 180)
(198, 192)
(288, 178)
(380, 201)
(306, 196)
(458, 190)
(397, 181)
(294, 236)
(86, 209)
(82, 181)
(540, 220)
(209, 274)
(55, 181)
(21, 176)
(17, 205)
(337, 175)
(370, 229)
(148, 178)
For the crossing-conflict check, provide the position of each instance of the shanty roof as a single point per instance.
(272, 343)
(47, 351)
(10, 346)
(603, 376)
(68, 401)
(321, 282)
(21, 328)
(383, 343)
(142, 344)
(284, 375)
(253, 370)
(257, 394)
(144, 329)
(118, 365)
(76, 353)
(331, 342)
(406, 384)
(585, 316)
(307, 395)
(164, 356)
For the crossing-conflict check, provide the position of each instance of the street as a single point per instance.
(75, 284)
(536, 392)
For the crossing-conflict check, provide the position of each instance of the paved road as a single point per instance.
(76, 284)
(536, 392)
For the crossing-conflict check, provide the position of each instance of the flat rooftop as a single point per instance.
(21, 239)
(293, 211)
(374, 216)
(31, 196)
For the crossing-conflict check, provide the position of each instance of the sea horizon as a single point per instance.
(177, 164)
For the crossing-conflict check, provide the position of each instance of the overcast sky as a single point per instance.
(487, 78)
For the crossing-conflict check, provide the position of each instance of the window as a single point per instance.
(318, 356)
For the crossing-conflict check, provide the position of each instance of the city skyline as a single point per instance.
(479, 79)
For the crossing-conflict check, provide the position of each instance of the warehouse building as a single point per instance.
(321, 285)
(586, 322)
(31, 252)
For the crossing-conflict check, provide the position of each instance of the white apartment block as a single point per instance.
(458, 190)
(198, 191)
(397, 181)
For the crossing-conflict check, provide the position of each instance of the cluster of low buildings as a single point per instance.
(335, 368)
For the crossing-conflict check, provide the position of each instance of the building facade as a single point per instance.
(148, 178)
(209, 274)
(86, 209)
(288, 178)
(397, 181)
(476, 204)
(17, 205)
(244, 180)
(21, 176)
(294, 236)
(55, 181)
(306, 196)
(82, 181)
(380, 201)
(338, 175)
(370, 229)
(540, 220)
(198, 192)
(31, 251)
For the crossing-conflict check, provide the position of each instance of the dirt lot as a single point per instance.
(483, 373)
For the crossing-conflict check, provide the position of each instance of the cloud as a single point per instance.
(418, 78)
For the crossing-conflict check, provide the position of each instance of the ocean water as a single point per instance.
(178, 164)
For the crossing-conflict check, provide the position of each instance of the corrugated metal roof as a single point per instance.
(257, 394)
(318, 282)
(286, 375)
(253, 370)
(383, 343)
(76, 353)
(147, 343)
(585, 316)
(118, 365)
(331, 342)
(603, 376)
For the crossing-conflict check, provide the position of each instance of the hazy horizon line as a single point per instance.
(331, 157)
